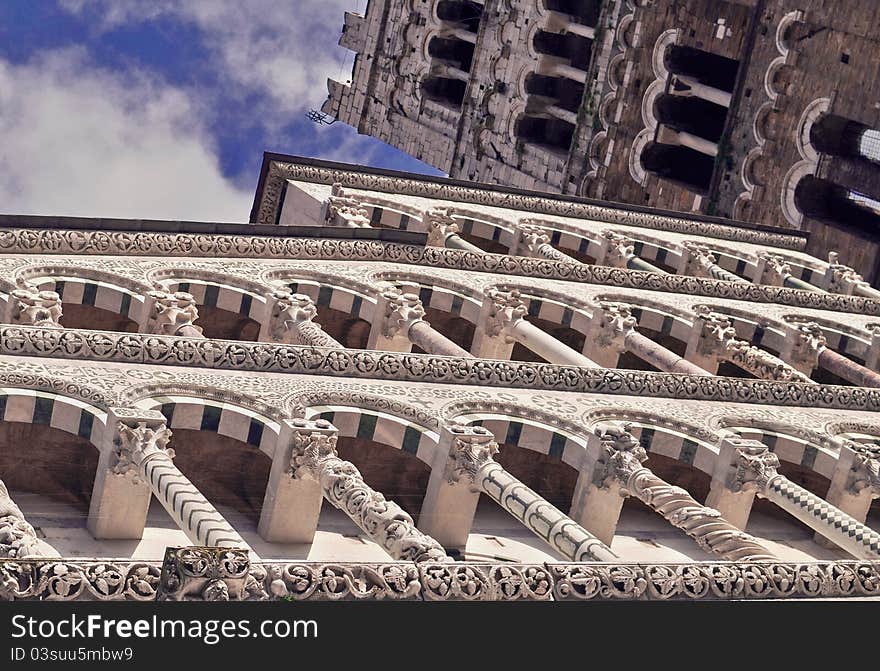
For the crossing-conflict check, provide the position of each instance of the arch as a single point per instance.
(437, 292)
(658, 57)
(636, 167)
(784, 30)
(341, 294)
(100, 296)
(57, 411)
(482, 226)
(654, 315)
(790, 448)
(653, 249)
(552, 306)
(767, 332)
(237, 296)
(848, 340)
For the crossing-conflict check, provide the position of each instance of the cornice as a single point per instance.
(135, 348)
(82, 242)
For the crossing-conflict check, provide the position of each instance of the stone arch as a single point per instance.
(755, 169)
(848, 340)
(784, 30)
(495, 234)
(653, 249)
(778, 78)
(761, 331)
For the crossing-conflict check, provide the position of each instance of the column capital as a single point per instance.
(530, 236)
(345, 210)
(755, 465)
(611, 323)
(402, 310)
(696, 259)
(617, 249)
(288, 311)
(772, 269)
(620, 455)
(312, 441)
(841, 279)
(138, 440)
(806, 341)
(506, 308)
(440, 225)
(170, 312)
(472, 448)
(864, 472)
(32, 307)
(715, 332)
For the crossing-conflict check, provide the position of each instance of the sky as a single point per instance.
(162, 109)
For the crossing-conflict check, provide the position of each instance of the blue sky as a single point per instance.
(163, 108)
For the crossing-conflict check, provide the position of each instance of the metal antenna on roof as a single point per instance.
(320, 118)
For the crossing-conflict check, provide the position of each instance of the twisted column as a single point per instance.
(470, 462)
(621, 459)
(291, 320)
(32, 307)
(755, 470)
(613, 332)
(313, 455)
(618, 251)
(713, 339)
(403, 319)
(443, 231)
(502, 323)
(699, 261)
(142, 452)
(173, 314)
(534, 241)
(18, 539)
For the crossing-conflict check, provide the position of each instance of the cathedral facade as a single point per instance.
(766, 111)
(396, 387)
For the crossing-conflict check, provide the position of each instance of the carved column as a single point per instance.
(620, 469)
(502, 323)
(345, 211)
(713, 340)
(534, 241)
(470, 467)
(313, 455)
(755, 470)
(140, 455)
(401, 325)
(18, 539)
(32, 307)
(856, 480)
(172, 314)
(612, 332)
(617, 251)
(291, 320)
(699, 261)
(443, 231)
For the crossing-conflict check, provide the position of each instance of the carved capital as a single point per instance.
(402, 310)
(620, 455)
(506, 308)
(137, 442)
(530, 238)
(33, 307)
(313, 442)
(865, 470)
(611, 324)
(761, 363)
(171, 312)
(617, 249)
(772, 269)
(715, 332)
(345, 210)
(440, 225)
(841, 279)
(754, 468)
(807, 342)
(289, 310)
(697, 260)
(473, 447)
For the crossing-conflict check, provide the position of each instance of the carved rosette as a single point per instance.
(473, 447)
(313, 455)
(440, 225)
(755, 467)
(32, 307)
(138, 443)
(172, 312)
(402, 310)
(618, 249)
(205, 574)
(615, 323)
(506, 308)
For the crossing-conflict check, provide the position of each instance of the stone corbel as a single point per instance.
(291, 320)
(499, 314)
(529, 238)
(696, 260)
(345, 211)
(710, 334)
(440, 226)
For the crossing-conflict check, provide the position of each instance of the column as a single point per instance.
(467, 467)
(533, 241)
(291, 320)
(671, 136)
(443, 69)
(856, 480)
(549, 65)
(172, 314)
(699, 261)
(401, 324)
(31, 307)
(140, 456)
(872, 357)
(804, 347)
(713, 340)
(612, 332)
(617, 251)
(443, 231)
(18, 539)
(313, 456)
(502, 323)
(754, 470)
(618, 472)
(703, 91)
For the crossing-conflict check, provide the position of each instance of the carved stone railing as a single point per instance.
(215, 574)
(267, 357)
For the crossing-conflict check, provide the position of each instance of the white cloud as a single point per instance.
(284, 50)
(76, 139)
